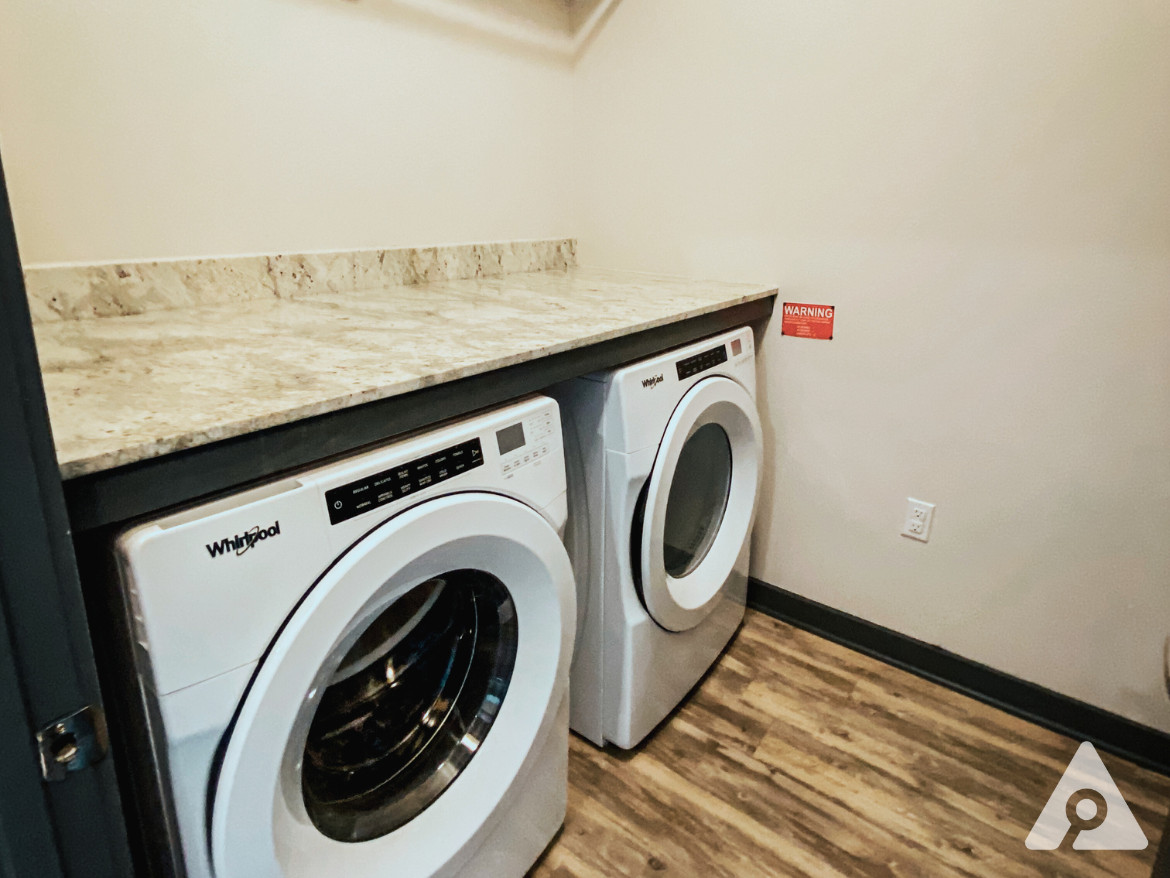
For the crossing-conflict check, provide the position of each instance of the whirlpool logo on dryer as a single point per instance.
(652, 382)
(241, 543)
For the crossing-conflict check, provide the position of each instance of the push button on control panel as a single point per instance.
(401, 480)
(701, 362)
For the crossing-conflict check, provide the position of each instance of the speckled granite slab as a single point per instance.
(129, 388)
(70, 292)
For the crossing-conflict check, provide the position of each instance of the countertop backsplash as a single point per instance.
(72, 292)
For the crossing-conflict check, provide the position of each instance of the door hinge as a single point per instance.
(72, 743)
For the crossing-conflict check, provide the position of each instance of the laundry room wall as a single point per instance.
(137, 130)
(982, 189)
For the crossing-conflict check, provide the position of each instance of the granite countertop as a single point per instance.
(126, 388)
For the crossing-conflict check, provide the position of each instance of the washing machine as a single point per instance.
(664, 474)
(362, 669)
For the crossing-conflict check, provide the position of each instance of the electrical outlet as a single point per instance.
(919, 515)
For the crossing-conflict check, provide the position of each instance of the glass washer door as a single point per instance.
(699, 503)
(409, 704)
(323, 773)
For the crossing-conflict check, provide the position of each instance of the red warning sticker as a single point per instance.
(807, 321)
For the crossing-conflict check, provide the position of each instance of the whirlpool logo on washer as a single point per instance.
(652, 382)
(241, 543)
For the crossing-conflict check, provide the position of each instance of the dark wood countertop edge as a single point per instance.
(129, 492)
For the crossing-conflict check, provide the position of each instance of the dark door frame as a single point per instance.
(73, 826)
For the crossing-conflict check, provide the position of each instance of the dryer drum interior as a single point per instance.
(409, 705)
(697, 500)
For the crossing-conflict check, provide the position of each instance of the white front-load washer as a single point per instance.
(664, 474)
(362, 669)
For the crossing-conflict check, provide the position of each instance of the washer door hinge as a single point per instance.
(72, 743)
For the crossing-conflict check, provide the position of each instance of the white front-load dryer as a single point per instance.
(665, 461)
(362, 669)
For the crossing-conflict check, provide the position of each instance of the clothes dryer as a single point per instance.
(664, 462)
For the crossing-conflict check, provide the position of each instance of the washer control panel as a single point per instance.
(384, 487)
(525, 442)
(701, 362)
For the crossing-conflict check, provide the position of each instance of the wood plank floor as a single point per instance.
(800, 757)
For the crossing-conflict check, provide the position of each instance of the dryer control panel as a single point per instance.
(701, 362)
(639, 398)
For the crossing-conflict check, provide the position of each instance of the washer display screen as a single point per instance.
(510, 438)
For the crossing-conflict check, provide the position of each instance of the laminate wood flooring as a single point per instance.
(797, 756)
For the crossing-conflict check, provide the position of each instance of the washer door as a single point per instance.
(699, 503)
(399, 703)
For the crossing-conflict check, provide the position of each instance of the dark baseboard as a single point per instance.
(1068, 716)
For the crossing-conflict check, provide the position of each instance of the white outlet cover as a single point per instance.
(919, 517)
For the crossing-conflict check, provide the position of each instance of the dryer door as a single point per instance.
(699, 503)
(399, 703)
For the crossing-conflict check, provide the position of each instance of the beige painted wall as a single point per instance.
(982, 188)
(134, 130)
